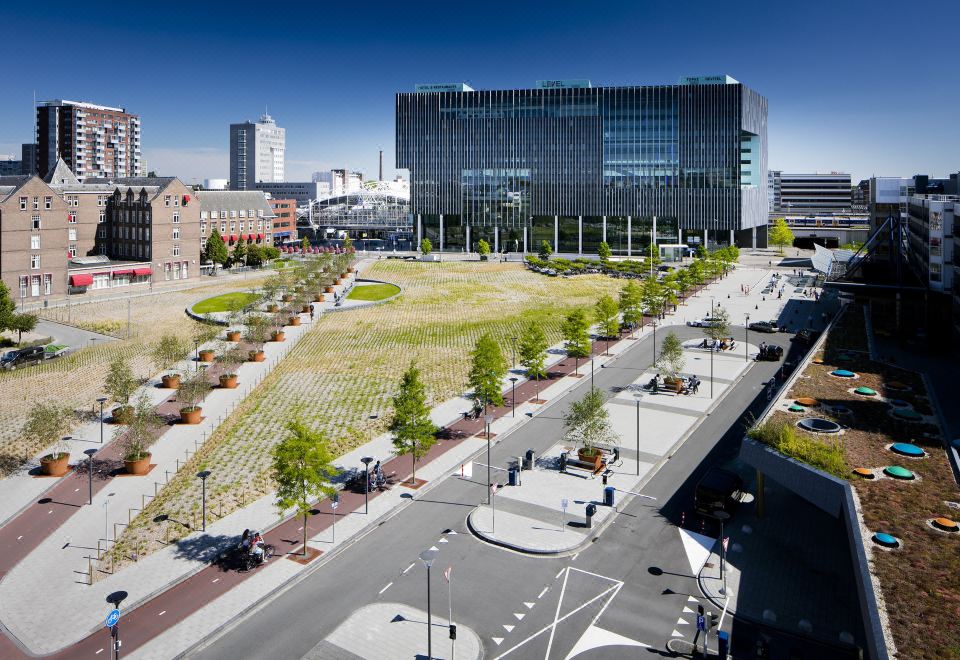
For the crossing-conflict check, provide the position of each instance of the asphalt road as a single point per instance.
(634, 580)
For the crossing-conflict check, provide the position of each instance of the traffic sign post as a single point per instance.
(112, 618)
(334, 503)
(111, 622)
(564, 503)
(493, 507)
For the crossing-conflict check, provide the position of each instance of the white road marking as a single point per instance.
(217, 580)
(497, 640)
(408, 568)
(557, 576)
(442, 541)
(545, 590)
(529, 605)
(675, 633)
(508, 628)
(556, 614)
(687, 610)
(435, 548)
(99, 652)
(519, 616)
(20, 537)
(390, 584)
(691, 599)
(574, 557)
(681, 622)
(162, 613)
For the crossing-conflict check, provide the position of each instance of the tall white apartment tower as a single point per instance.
(256, 153)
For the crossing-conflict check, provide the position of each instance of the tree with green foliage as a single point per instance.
(533, 350)
(120, 383)
(426, 247)
(671, 355)
(46, 425)
(270, 253)
(21, 323)
(239, 253)
(137, 437)
(700, 251)
(216, 250)
(780, 234)
(631, 303)
(305, 244)
(719, 326)
(254, 255)
(587, 422)
(413, 431)
(604, 252)
(487, 370)
(168, 351)
(7, 307)
(606, 315)
(545, 250)
(652, 297)
(682, 280)
(483, 248)
(575, 331)
(303, 471)
(347, 244)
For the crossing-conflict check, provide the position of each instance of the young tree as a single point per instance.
(347, 244)
(533, 350)
(604, 252)
(700, 251)
(270, 253)
(545, 250)
(719, 326)
(46, 425)
(575, 330)
(21, 323)
(426, 247)
(413, 431)
(239, 252)
(605, 314)
(653, 293)
(216, 249)
(483, 248)
(587, 423)
(120, 383)
(169, 350)
(139, 434)
(6, 308)
(303, 469)
(671, 355)
(192, 390)
(487, 370)
(631, 303)
(254, 255)
(780, 234)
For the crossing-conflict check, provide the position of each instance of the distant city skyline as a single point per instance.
(837, 100)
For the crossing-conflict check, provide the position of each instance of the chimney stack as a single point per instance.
(381, 166)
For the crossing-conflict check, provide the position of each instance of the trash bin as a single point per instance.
(608, 495)
(723, 644)
(513, 476)
(591, 511)
(528, 460)
(563, 461)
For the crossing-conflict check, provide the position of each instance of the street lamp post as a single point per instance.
(427, 557)
(489, 420)
(722, 516)
(366, 460)
(513, 354)
(196, 355)
(513, 395)
(90, 452)
(746, 338)
(101, 401)
(711, 351)
(638, 396)
(203, 481)
(654, 341)
(591, 373)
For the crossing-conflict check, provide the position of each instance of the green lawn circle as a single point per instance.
(223, 303)
(373, 292)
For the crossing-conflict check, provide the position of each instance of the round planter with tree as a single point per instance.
(138, 437)
(587, 423)
(207, 355)
(233, 335)
(191, 393)
(120, 386)
(46, 425)
(229, 359)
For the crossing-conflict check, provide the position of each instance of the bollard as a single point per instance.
(608, 495)
(90, 569)
(563, 462)
(591, 511)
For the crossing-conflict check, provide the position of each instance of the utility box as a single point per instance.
(591, 512)
(528, 460)
(608, 495)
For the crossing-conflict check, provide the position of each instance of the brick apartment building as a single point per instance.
(93, 140)
(285, 222)
(61, 236)
(238, 215)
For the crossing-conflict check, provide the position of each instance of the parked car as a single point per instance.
(700, 323)
(22, 357)
(718, 490)
(764, 326)
(807, 336)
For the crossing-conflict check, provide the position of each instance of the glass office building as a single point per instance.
(575, 165)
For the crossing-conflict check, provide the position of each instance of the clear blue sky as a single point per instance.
(863, 87)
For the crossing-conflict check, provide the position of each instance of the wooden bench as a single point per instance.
(593, 468)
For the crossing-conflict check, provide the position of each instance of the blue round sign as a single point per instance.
(112, 618)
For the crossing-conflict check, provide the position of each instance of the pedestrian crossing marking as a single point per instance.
(529, 605)
(519, 615)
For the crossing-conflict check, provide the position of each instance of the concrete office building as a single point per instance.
(930, 239)
(59, 235)
(302, 191)
(575, 165)
(810, 194)
(256, 153)
(339, 181)
(93, 140)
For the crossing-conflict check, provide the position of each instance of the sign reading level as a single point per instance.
(579, 83)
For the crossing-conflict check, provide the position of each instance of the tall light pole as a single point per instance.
(654, 341)
(638, 395)
(513, 354)
(196, 355)
(366, 460)
(427, 557)
(711, 350)
(101, 401)
(90, 452)
(513, 395)
(489, 420)
(591, 372)
(722, 516)
(746, 338)
(203, 481)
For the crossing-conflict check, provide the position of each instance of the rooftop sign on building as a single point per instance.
(443, 87)
(577, 83)
(707, 80)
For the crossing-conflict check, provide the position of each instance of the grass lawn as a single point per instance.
(373, 292)
(920, 582)
(224, 302)
(341, 376)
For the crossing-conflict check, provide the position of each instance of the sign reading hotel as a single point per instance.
(442, 87)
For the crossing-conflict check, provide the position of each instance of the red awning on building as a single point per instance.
(82, 279)
(142, 271)
(123, 272)
(259, 237)
(244, 237)
(233, 237)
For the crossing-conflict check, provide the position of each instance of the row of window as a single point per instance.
(35, 238)
(233, 226)
(175, 199)
(213, 215)
(30, 285)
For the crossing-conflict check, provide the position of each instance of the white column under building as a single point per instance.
(579, 234)
(629, 236)
(441, 232)
(496, 239)
(468, 240)
(556, 234)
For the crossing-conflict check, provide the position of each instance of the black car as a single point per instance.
(718, 490)
(22, 357)
(806, 336)
(764, 326)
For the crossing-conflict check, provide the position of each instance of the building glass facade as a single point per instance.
(575, 166)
